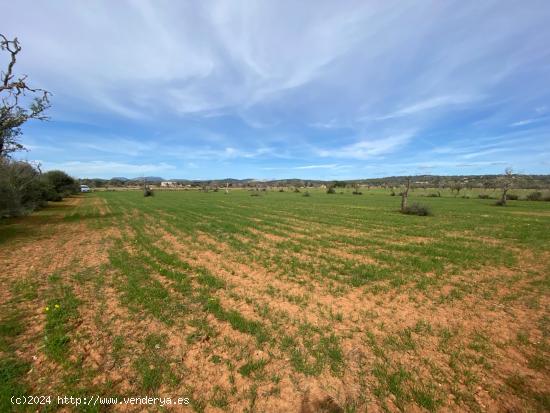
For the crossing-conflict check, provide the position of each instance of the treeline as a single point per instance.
(23, 188)
(457, 182)
(520, 181)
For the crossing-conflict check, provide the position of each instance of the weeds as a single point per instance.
(417, 209)
(61, 313)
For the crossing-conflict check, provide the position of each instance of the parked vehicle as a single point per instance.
(85, 188)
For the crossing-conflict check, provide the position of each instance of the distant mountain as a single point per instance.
(148, 179)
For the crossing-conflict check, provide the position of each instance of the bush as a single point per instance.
(534, 196)
(433, 195)
(148, 192)
(306, 194)
(500, 202)
(22, 188)
(512, 197)
(330, 190)
(255, 194)
(357, 193)
(61, 185)
(281, 190)
(296, 190)
(484, 196)
(417, 209)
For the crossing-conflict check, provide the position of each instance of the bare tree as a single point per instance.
(405, 195)
(456, 186)
(13, 91)
(506, 184)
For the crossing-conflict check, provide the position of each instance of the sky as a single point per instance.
(283, 89)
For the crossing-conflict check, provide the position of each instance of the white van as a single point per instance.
(84, 188)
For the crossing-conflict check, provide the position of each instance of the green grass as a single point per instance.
(370, 226)
(252, 367)
(61, 312)
(235, 319)
(284, 288)
(12, 368)
(12, 373)
(153, 366)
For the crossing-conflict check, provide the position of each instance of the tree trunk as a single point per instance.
(503, 198)
(405, 195)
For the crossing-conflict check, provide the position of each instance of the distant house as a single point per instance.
(168, 184)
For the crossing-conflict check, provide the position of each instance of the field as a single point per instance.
(279, 302)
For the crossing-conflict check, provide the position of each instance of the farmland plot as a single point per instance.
(279, 302)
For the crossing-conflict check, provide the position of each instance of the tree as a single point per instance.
(506, 182)
(456, 186)
(405, 195)
(13, 92)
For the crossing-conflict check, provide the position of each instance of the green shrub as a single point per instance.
(534, 196)
(484, 196)
(148, 192)
(61, 185)
(512, 197)
(22, 189)
(417, 209)
(330, 190)
(357, 193)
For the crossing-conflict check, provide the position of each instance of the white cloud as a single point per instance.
(325, 166)
(103, 169)
(141, 58)
(203, 74)
(369, 148)
(429, 104)
(523, 122)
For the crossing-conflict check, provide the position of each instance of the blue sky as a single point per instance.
(280, 89)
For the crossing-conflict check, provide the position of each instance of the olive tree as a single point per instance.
(18, 101)
(22, 186)
(506, 182)
(405, 195)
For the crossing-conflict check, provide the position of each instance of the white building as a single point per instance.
(168, 184)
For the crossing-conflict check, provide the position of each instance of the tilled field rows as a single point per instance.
(286, 303)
